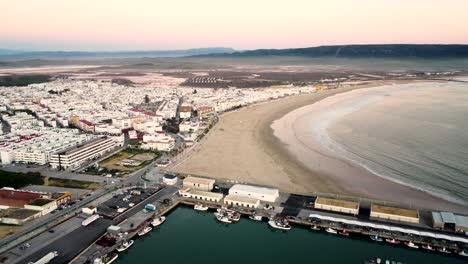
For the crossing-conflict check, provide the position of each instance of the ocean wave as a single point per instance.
(338, 108)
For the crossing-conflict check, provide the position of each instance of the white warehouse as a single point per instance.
(254, 192)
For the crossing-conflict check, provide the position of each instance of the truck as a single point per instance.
(46, 259)
(150, 207)
(90, 219)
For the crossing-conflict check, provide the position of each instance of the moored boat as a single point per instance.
(158, 221)
(343, 233)
(106, 259)
(331, 231)
(145, 231)
(376, 238)
(222, 218)
(463, 253)
(234, 216)
(411, 244)
(373, 261)
(200, 207)
(279, 224)
(314, 227)
(444, 250)
(125, 245)
(428, 247)
(256, 217)
(393, 241)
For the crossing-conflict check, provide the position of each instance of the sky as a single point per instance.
(240, 24)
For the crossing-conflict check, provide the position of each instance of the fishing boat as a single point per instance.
(200, 207)
(331, 231)
(393, 241)
(373, 261)
(158, 221)
(428, 247)
(343, 233)
(279, 223)
(106, 259)
(411, 244)
(256, 217)
(125, 245)
(145, 231)
(376, 238)
(222, 218)
(463, 253)
(443, 250)
(234, 216)
(314, 227)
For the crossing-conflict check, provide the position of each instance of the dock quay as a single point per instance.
(70, 245)
(84, 244)
(128, 229)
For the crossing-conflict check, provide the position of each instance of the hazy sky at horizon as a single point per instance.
(240, 24)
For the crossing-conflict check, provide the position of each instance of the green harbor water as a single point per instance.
(196, 237)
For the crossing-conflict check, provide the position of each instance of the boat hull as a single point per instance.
(274, 225)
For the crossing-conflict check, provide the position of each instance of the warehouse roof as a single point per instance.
(394, 211)
(450, 218)
(337, 203)
(40, 202)
(17, 198)
(234, 198)
(207, 194)
(461, 220)
(18, 213)
(253, 189)
(199, 180)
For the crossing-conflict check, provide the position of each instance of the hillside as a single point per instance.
(354, 51)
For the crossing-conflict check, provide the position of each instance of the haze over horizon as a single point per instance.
(162, 25)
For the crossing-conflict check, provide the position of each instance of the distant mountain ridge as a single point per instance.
(18, 54)
(354, 51)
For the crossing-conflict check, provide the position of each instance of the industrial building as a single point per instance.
(61, 198)
(254, 192)
(196, 183)
(335, 205)
(80, 155)
(201, 195)
(394, 214)
(16, 198)
(18, 216)
(42, 205)
(447, 220)
(241, 201)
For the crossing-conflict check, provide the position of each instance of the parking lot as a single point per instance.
(124, 200)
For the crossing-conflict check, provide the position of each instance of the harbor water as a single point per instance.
(195, 237)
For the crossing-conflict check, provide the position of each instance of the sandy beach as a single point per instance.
(244, 146)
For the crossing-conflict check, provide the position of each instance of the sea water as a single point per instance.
(415, 134)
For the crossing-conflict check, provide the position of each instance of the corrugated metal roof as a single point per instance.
(461, 220)
(437, 218)
(447, 217)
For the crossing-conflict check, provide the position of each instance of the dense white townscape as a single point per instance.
(44, 123)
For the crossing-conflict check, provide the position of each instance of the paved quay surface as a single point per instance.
(72, 244)
(130, 225)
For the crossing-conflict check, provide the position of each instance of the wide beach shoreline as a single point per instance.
(243, 147)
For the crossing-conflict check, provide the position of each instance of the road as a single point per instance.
(72, 244)
(39, 225)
